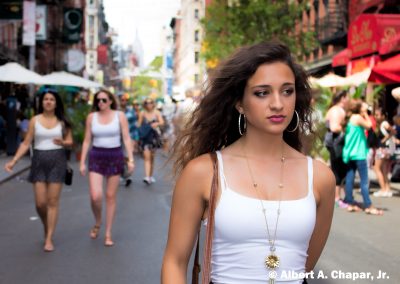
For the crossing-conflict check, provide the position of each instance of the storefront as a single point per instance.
(374, 43)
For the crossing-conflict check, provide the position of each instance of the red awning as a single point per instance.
(391, 45)
(386, 72)
(341, 58)
(370, 31)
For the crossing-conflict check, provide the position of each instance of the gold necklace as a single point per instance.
(272, 260)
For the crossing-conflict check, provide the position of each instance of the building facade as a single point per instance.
(189, 69)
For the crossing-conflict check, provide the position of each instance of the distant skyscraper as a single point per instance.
(137, 49)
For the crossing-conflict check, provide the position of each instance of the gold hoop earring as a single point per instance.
(297, 124)
(244, 124)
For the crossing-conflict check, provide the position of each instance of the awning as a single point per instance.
(370, 31)
(386, 72)
(391, 45)
(341, 58)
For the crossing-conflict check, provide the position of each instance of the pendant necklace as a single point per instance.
(272, 260)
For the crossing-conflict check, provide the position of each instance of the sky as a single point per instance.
(146, 16)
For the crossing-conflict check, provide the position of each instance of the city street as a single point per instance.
(358, 243)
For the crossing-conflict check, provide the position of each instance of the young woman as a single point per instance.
(384, 152)
(335, 120)
(270, 205)
(104, 128)
(51, 133)
(150, 119)
(355, 153)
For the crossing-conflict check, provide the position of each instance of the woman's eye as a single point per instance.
(288, 91)
(261, 93)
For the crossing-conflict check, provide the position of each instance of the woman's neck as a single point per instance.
(263, 145)
(105, 111)
(48, 114)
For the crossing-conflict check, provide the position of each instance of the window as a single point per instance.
(196, 13)
(196, 35)
(196, 57)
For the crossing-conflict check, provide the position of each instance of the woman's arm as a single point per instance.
(65, 141)
(86, 143)
(160, 119)
(324, 192)
(189, 201)
(24, 147)
(140, 119)
(127, 140)
(389, 130)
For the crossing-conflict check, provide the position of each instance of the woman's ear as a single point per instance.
(239, 107)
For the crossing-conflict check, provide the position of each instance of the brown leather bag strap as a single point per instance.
(210, 223)
(209, 232)
(196, 264)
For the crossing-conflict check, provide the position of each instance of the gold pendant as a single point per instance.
(272, 261)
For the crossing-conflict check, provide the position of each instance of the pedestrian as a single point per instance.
(105, 128)
(335, 120)
(136, 110)
(355, 154)
(273, 215)
(384, 153)
(51, 132)
(132, 117)
(149, 122)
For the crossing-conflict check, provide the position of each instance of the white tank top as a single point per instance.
(43, 139)
(240, 244)
(106, 135)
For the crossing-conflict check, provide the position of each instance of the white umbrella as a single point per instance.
(358, 78)
(16, 73)
(330, 80)
(396, 93)
(68, 79)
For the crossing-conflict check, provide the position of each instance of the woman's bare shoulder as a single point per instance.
(200, 166)
(324, 180)
(197, 176)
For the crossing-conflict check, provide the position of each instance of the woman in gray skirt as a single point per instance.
(51, 133)
(105, 127)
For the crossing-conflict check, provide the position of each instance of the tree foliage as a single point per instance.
(230, 24)
(145, 85)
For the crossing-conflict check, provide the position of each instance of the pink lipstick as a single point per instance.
(276, 118)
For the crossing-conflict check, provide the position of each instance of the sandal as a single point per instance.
(374, 211)
(94, 232)
(353, 208)
(108, 242)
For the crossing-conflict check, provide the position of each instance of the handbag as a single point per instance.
(69, 174)
(209, 232)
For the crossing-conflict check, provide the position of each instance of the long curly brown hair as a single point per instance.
(214, 123)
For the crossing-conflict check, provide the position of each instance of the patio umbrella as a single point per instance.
(358, 78)
(68, 79)
(330, 80)
(16, 73)
(396, 93)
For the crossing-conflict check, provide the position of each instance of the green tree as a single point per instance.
(145, 84)
(230, 24)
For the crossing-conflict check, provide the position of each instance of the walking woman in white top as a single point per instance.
(51, 133)
(273, 215)
(104, 128)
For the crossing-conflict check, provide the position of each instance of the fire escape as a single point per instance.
(332, 29)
